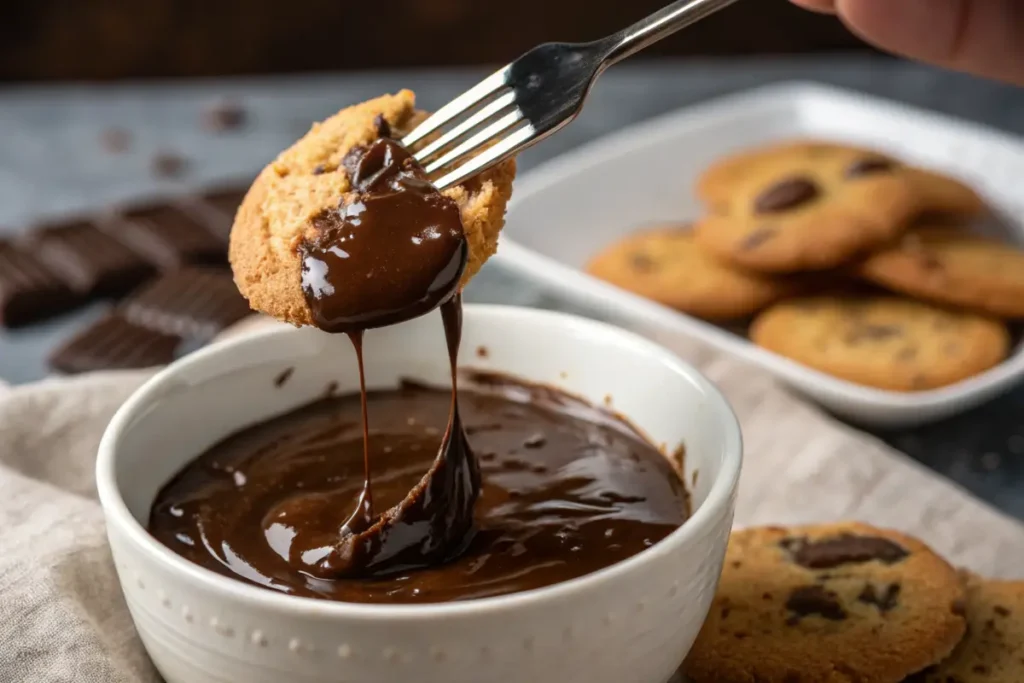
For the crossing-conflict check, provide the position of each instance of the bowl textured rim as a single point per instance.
(116, 511)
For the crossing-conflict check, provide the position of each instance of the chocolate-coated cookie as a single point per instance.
(813, 205)
(950, 265)
(993, 649)
(884, 342)
(665, 265)
(831, 603)
(279, 210)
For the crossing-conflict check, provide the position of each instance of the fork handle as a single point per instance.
(662, 23)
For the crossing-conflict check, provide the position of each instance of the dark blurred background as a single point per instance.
(46, 40)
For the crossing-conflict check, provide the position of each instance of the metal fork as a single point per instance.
(526, 101)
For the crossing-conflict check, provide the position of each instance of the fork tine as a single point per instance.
(445, 114)
(476, 141)
(488, 158)
(469, 124)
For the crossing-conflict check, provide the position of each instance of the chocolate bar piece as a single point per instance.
(226, 203)
(227, 200)
(89, 260)
(114, 343)
(193, 302)
(29, 291)
(167, 235)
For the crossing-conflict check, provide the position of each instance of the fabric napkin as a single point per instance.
(62, 616)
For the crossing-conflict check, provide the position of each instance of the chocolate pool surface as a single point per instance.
(567, 490)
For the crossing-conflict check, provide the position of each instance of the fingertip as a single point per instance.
(917, 28)
(820, 6)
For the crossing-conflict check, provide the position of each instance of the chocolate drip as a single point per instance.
(392, 250)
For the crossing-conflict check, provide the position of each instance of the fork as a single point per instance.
(526, 101)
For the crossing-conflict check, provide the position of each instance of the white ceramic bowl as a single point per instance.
(632, 622)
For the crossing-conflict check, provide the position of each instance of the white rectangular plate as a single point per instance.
(565, 210)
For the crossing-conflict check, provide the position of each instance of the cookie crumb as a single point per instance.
(116, 140)
(223, 116)
(168, 165)
(283, 377)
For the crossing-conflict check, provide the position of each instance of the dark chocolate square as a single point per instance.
(114, 343)
(88, 259)
(168, 236)
(227, 200)
(225, 204)
(29, 291)
(193, 302)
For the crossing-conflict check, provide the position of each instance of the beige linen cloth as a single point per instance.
(62, 617)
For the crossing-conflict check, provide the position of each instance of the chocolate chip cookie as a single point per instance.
(993, 649)
(827, 604)
(311, 176)
(812, 205)
(884, 342)
(950, 265)
(665, 265)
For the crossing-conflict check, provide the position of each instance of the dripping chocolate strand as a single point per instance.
(362, 517)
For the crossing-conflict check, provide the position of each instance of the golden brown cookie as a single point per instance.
(309, 177)
(832, 603)
(665, 265)
(993, 649)
(952, 266)
(812, 205)
(883, 342)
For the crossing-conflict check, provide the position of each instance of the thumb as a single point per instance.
(984, 37)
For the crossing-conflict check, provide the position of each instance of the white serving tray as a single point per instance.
(568, 208)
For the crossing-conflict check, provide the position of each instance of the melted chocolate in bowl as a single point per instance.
(392, 250)
(567, 489)
(326, 502)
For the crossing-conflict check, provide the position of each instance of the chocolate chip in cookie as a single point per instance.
(885, 599)
(829, 553)
(786, 195)
(807, 601)
(869, 166)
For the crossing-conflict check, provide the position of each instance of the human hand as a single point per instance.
(983, 37)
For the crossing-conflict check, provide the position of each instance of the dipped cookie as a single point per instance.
(294, 199)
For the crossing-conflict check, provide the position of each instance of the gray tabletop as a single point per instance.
(52, 162)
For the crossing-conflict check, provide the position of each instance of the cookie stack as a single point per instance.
(849, 602)
(848, 260)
